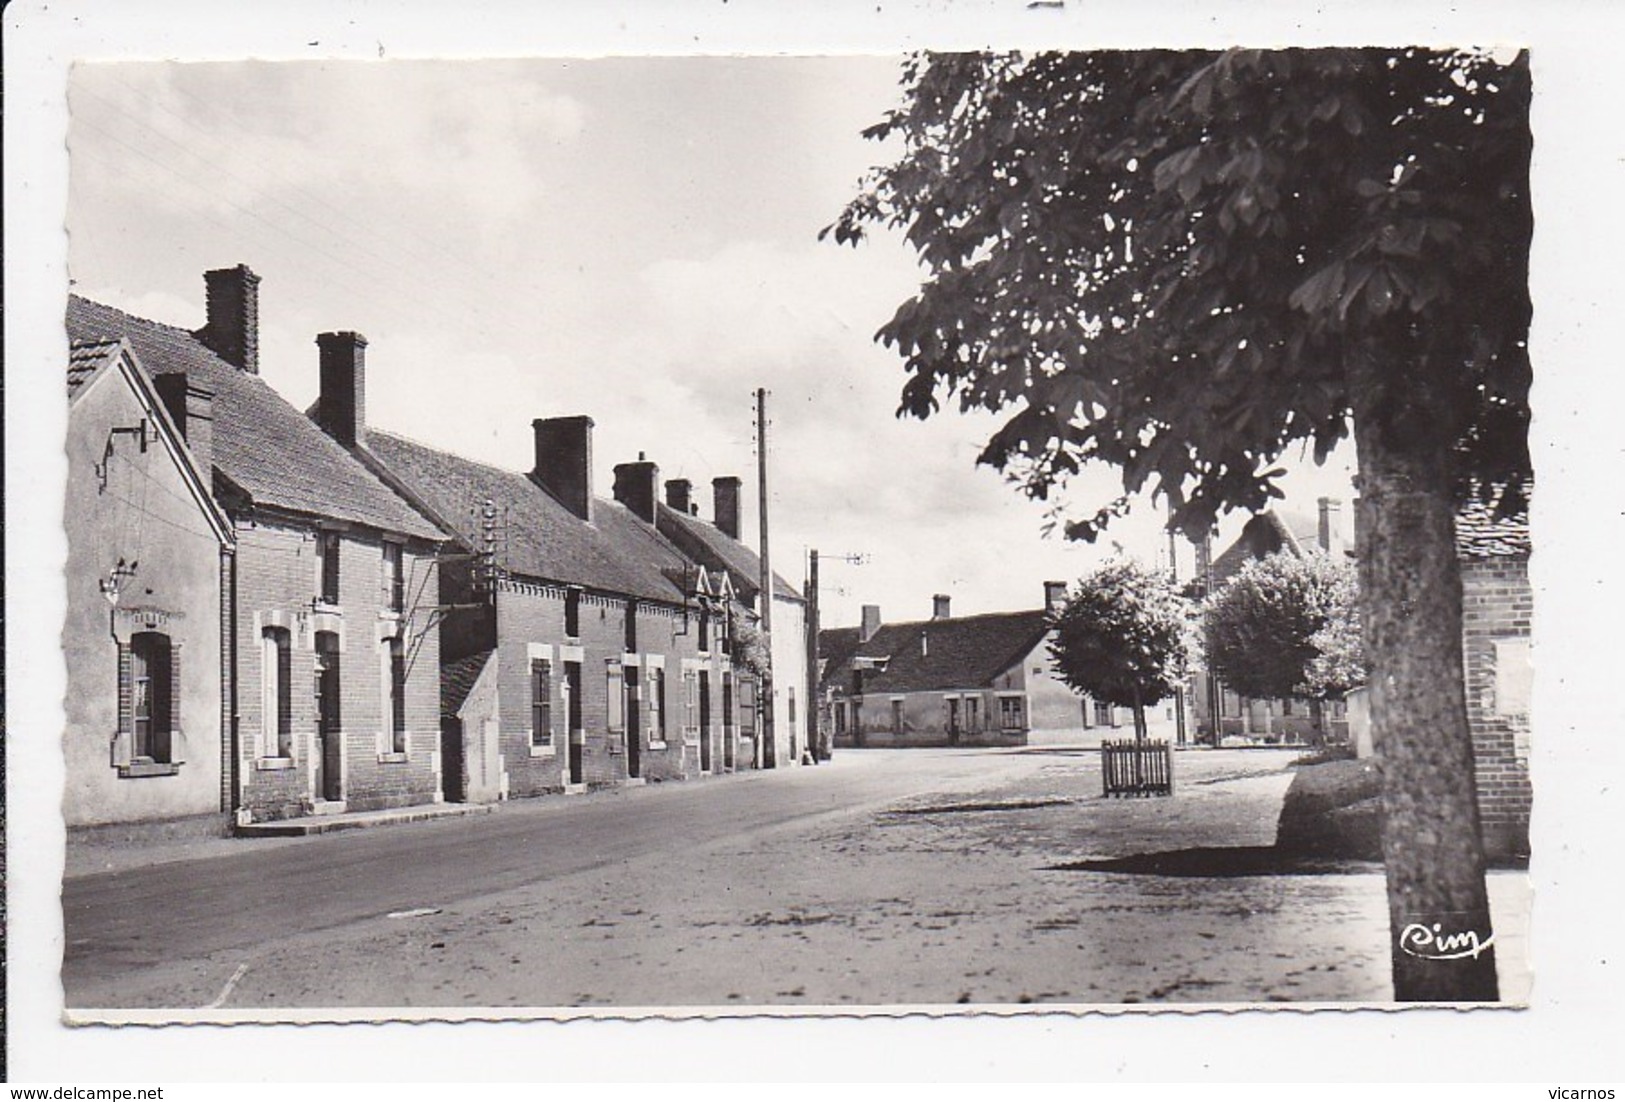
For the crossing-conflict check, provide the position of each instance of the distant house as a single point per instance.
(149, 554)
(329, 609)
(1218, 711)
(985, 680)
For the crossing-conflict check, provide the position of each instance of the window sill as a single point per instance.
(544, 751)
(654, 745)
(150, 769)
(267, 765)
(319, 605)
(393, 758)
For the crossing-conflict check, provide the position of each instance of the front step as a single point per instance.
(358, 820)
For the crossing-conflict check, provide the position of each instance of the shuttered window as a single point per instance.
(541, 702)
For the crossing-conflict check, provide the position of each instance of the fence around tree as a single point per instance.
(1130, 768)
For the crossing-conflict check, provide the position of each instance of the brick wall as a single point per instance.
(531, 621)
(278, 574)
(1497, 604)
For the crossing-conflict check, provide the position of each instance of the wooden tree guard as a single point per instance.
(1130, 768)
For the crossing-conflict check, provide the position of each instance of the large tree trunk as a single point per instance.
(1438, 909)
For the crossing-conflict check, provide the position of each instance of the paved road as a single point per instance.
(120, 923)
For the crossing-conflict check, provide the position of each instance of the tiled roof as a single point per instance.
(835, 646)
(457, 680)
(617, 553)
(707, 544)
(85, 358)
(962, 652)
(263, 446)
(1480, 534)
(1265, 534)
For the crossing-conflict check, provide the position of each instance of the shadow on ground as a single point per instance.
(1223, 861)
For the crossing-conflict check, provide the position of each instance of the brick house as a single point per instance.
(335, 700)
(149, 555)
(580, 646)
(1269, 533)
(1497, 607)
(983, 680)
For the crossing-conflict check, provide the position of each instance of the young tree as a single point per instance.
(1287, 626)
(1121, 638)
(1184, 263)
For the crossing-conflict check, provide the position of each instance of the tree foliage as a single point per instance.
(1121, 637)
(748, 644)
(1181, 263)
(1287, 626)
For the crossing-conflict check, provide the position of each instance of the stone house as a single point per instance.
(149, 555)
(985, 680)
(335, 700)
(716, 546)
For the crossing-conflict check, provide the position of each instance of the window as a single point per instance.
(657, 704)
(572, 613)
(397, 696)
(277, 741)
(151, 696)
(614, 682)
(393, 578)
(727, 699)
(1010, 713)
(840, 717)
(973, 713)
(747, 706)
(897, 716)
(705, 630)
(327, 546)
(1286, 707)
(541, 702)
(790, 705)
(1103, 714)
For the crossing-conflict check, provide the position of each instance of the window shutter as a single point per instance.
(124, 736)
(615, 687)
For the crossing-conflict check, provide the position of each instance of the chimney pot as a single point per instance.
(564, 461)
(1054, 596)
(635, 487)
(871, 623)
(1331, 526)
(679, 491)
(725, 505)
(341, 410)
(232, 305)
(939, 606)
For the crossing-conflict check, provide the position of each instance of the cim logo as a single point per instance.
(1431, 943)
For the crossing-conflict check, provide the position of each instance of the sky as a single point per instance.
(630, 238)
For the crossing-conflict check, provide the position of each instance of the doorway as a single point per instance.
(329, 733)
(705, 721)
(572, 711)
(634, 724)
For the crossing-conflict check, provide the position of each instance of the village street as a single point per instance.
(883, 877)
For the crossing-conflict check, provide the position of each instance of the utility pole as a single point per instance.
(815, 733)
(769, 752)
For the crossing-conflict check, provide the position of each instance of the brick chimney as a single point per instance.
(1054, 596)
(341, 410)
(636, 487)
(191, 406)
(939, 606)
(232, 331)
(1331, 526)
(871, 623)
(679, 494)
(725, 505)
(564, 461)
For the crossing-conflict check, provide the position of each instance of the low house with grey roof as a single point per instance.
(149, 555)
(985, 680)
(331, 606)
